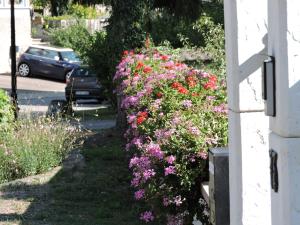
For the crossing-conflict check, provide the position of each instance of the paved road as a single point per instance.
(35, 95)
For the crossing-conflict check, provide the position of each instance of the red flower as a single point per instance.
(140, 65)
(159, 95)
(140, 120)
(136, 74)
(125, 53)
(147, 69)
(131, 52)
(195, 94)
(164, 57)
(183, 90)
(176, 85)
(212, 83)
(142, 116)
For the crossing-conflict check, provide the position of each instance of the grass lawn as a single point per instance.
(95, 191)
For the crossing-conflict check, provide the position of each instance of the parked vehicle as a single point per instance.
(82, 83)
(48, 62)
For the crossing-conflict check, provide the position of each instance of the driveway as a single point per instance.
(35, 94)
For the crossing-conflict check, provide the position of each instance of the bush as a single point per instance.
(6, 110)
(33, 146)
(76, 37)
(175, 114)
(83, 12)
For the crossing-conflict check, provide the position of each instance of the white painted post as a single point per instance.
(284, 45)
(246, 43)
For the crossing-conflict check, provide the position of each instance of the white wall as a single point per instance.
(246, 29)
(23, 34)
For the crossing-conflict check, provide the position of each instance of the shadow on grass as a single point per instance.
(95, 191)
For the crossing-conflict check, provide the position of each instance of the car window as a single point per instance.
(84, 72)
(69, 56)
(50, 54)
(35, 51)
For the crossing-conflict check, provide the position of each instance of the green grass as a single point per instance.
(29, 147)
(97, 194)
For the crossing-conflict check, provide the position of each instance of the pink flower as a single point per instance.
(136, 180)
(148, 174)
(170, 170)
(203, 155)
(154, 150)
(171, 159)
(166, 201)
(178, 201)
(221, 109)
(147, 216)
(194, 130)
(139, 194)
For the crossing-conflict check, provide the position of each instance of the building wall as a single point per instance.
(23, 31)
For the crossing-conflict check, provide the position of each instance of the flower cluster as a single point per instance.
(175, 114)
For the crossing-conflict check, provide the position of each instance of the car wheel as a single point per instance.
(24, 70)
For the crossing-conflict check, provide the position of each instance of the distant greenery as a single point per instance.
(76, 37)
(30, 147)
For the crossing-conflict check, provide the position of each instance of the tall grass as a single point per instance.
(33, 146)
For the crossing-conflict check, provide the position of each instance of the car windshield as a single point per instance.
(69, 56)
(84, 72)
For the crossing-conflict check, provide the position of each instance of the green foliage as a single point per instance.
(39, 3)
(214, 38)
(83, 12)
(166, 27)
(76, 37)
(6, 112)
(33, 146)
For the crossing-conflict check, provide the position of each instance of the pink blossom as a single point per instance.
(210, 98)
(147, 216)
(170, 170)
(154, 150)
(187, 103)
(204, 74)
(142, 163)
(137, 141)
(203, 155)
(221, 109)
(139, 194)
(178, 201)
(166, 201)
(131, 118)
(171, 159)
(194, 130)
(148, 174)
(135, 182)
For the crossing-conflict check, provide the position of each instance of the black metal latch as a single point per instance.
(274, 170)
(268, 86)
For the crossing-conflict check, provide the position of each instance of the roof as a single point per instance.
(59, 49)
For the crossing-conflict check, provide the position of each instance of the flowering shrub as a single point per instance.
(174, 114)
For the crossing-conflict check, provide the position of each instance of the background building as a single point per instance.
(23, 30)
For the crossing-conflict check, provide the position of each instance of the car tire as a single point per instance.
(24, 70)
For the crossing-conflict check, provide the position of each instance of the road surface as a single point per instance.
(35, 94)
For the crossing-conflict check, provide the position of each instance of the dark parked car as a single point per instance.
(49, 62)
(82, 83)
